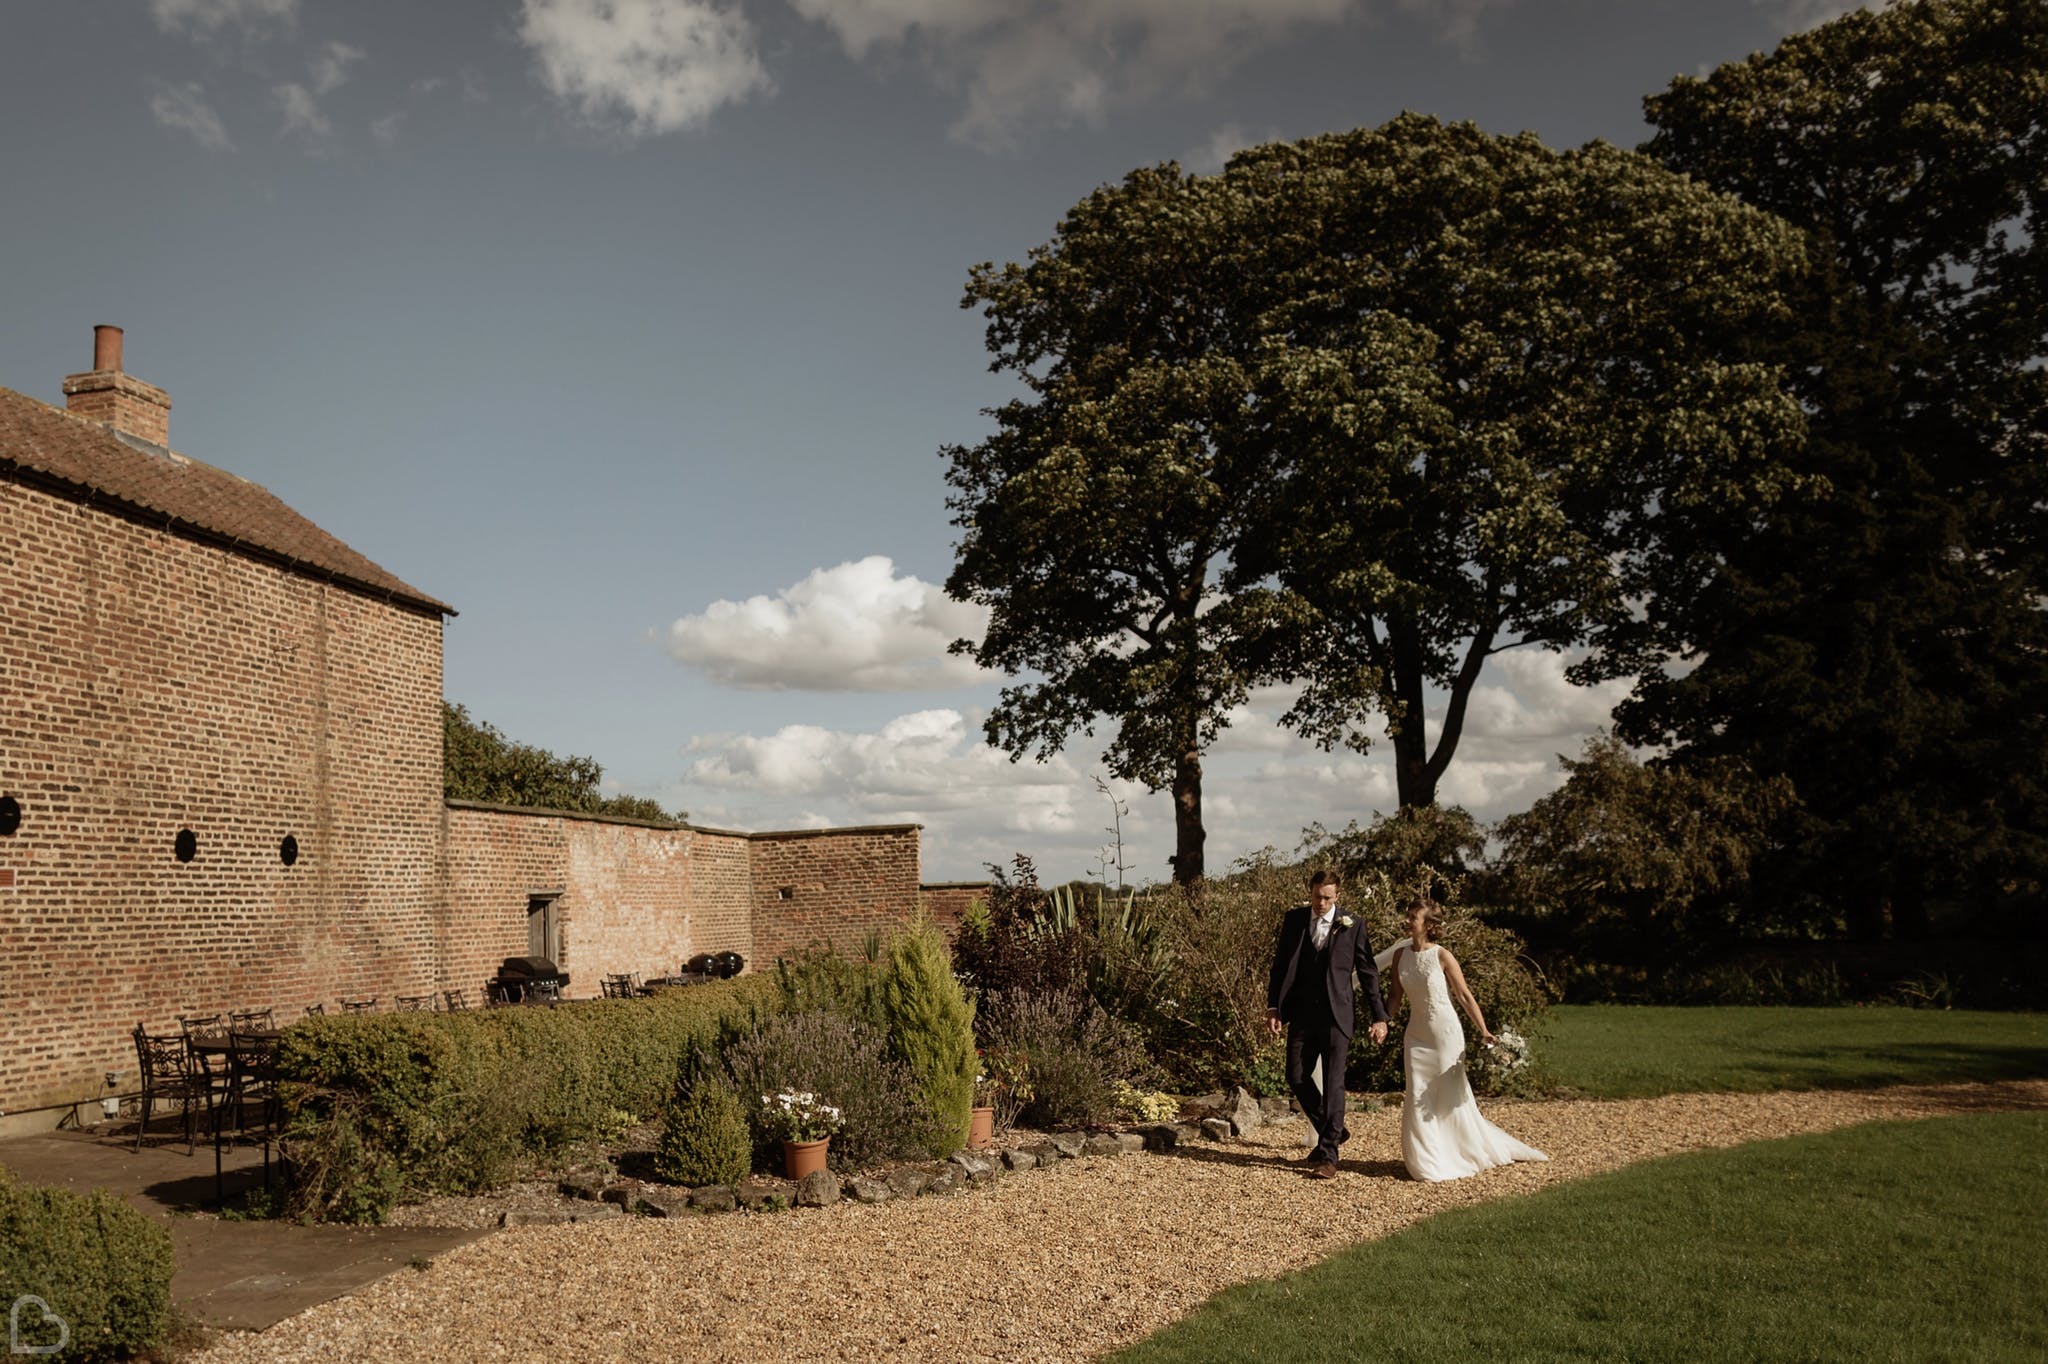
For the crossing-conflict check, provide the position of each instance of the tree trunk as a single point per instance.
(1188, 834)
(1414, 782)
(1416, 770)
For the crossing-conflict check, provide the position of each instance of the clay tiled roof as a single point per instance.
(87, 462)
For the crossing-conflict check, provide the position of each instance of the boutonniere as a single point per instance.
(1345, 921)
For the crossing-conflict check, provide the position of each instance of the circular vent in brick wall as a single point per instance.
(288, 851)
(10, 816)
(187, 846)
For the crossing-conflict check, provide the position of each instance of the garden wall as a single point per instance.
(947, 901)
(629, 896)
(830, 885)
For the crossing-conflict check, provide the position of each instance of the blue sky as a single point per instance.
(631, 328)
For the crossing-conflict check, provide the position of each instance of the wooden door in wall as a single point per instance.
(543, 938)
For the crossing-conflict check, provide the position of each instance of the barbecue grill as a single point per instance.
(715, 965)
(526, 980)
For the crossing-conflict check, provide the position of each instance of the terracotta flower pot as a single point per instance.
(800, 1158)
(981, 1128)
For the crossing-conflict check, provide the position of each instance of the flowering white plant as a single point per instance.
(798, 1116)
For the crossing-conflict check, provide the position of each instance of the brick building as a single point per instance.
(221, 785)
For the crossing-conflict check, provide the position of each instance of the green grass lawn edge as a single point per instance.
(1618, 1051)
(1887, 1241)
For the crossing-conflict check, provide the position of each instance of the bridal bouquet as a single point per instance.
(798, 1117)
(1509, 1052)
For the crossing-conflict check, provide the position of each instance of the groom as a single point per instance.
(1310, 992)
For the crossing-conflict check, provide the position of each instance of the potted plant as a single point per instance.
(804, 1124)
(1001, 1090)
(981, 1119)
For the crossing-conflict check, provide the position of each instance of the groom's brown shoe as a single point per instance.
(1322, 1169)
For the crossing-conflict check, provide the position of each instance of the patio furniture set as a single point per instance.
(222, 1067)
(698, 970)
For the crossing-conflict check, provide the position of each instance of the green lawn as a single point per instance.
(1891, 1241)
(1615, 1051)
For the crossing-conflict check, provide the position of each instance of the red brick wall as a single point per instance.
(632, 897)
(830, 885)
(946, 901)
(495, 861)
(721, 893)
(150, 684)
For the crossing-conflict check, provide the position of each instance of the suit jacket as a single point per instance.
(1295, 983)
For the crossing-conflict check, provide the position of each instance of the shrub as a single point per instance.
(1004, 1085)
(818, 979)
(1009, 946)
(1075, 1052)
(847, 1064)
(1138, 1104)
(381, 1107)
(101, 1268)
(704, 1137)
(931, 1029)
(1209, 1023)
(1628, 854)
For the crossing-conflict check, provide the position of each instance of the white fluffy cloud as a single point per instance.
(299, 101)
(1022, 62)
(330, 65)
(913, 769)
(208, 15)
(855, 627)
(1796, 16)
(1226, 142)
(643, 66)
(184, 108)
(1261, 787)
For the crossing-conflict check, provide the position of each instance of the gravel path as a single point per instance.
(1058, 1264)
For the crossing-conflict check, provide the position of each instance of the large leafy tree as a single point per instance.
(1492, 377)
(1360, 412)
(480, 763)
(1628, 857)
(1881, 640)
(1098, 518)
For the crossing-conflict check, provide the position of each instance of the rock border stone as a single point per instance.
(1211, 1118)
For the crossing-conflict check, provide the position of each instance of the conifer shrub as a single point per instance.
(704, 1133)
(99, 1267)
(931, 1028)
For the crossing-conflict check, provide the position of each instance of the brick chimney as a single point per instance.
(106, 394)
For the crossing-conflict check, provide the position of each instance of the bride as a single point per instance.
(1443, 1135)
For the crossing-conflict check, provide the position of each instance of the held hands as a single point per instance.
(1377, 1032)
(1273, 1024)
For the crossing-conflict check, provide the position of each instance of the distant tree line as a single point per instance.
(480, 763)
(1751, 416)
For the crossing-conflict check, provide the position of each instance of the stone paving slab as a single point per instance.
(243, 1275)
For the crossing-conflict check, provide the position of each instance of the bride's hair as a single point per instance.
(1432, 917)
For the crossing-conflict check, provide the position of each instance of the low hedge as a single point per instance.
(388, 1106)
(101, 1269)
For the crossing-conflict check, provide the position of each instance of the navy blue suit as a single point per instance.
(1313, 993)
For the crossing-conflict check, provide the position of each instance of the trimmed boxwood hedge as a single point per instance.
(100, 1267)
(388, 1106)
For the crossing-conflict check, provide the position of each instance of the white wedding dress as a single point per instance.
(1443, 1135)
